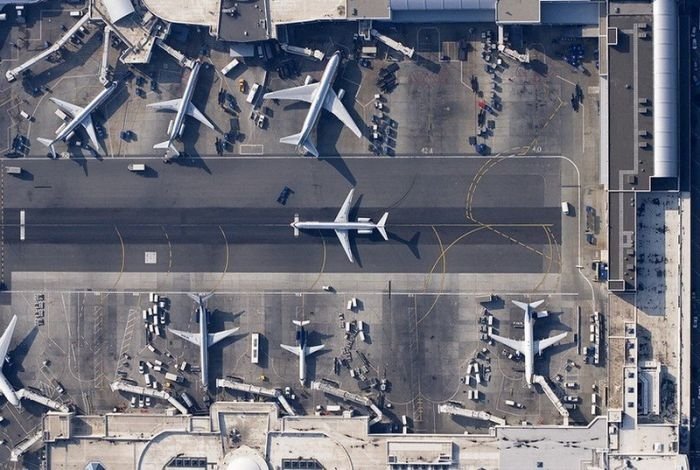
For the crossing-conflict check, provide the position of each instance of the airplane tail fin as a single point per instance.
(301, 323)
(381, 224)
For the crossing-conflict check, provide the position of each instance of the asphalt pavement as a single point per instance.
(223, 215)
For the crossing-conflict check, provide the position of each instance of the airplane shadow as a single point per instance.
(341, 167)
(20, 353)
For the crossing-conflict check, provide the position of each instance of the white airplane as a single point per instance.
(342, 226)
(79, 117)
(302, 349)
(321, 96)
(182, 106)
(5, 388)
(203, 339)
(528, 347)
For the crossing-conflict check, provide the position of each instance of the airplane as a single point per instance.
(182, 106)
(5, 388)
(321, 96)
(342, 226)
(203, 339)
(302, 349)
(79, 117)
(528, 346)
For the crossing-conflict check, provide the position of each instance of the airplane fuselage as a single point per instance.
(186, 98)
(302, 365)
(311, 225)
(87, 110)
(204, 347)
(529, 347)
(7, 391)
(317, 104)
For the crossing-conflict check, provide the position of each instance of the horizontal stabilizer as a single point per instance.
(199, 298)
(46, 142)
(216, 337)
(526, 306)
(292, 349)
(162, 145)
(294, 139)
(301, 323)
(381, 224)
(310, 148)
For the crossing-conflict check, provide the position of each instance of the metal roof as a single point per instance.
(118, 9)
(427, 5)
(665, 88)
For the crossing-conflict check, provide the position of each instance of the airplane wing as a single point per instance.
(292, 349)
(6, 338)
(90, 129)
(191, 337)
(195, 113)
(333, 104)
(171, 105)
(345, 209)
(216, 337)
(313, 349)
(299, 93)
(543, 344)
(66, 107)
(511, 343)
(345, 241)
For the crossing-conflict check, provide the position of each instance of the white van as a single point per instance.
(565, 208)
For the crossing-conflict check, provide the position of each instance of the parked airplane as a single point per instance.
(319, 95)
(79, 117)
(182, 106)
(5, 388)
(203, 339)
(528, 347)
(342, 226)
(302, 349)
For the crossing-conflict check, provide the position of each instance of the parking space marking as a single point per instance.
(251, 149)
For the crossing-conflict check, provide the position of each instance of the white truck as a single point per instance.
(173, 377)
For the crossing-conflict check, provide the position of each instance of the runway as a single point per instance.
(222, 215)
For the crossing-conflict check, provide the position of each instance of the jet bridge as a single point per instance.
(12, 74)
(482, 415)
(351, 397)
(125, 387)
(255, 390)
(47, 402)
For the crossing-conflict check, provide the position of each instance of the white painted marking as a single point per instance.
(21, 225)
(250, 149)
(151, 257)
